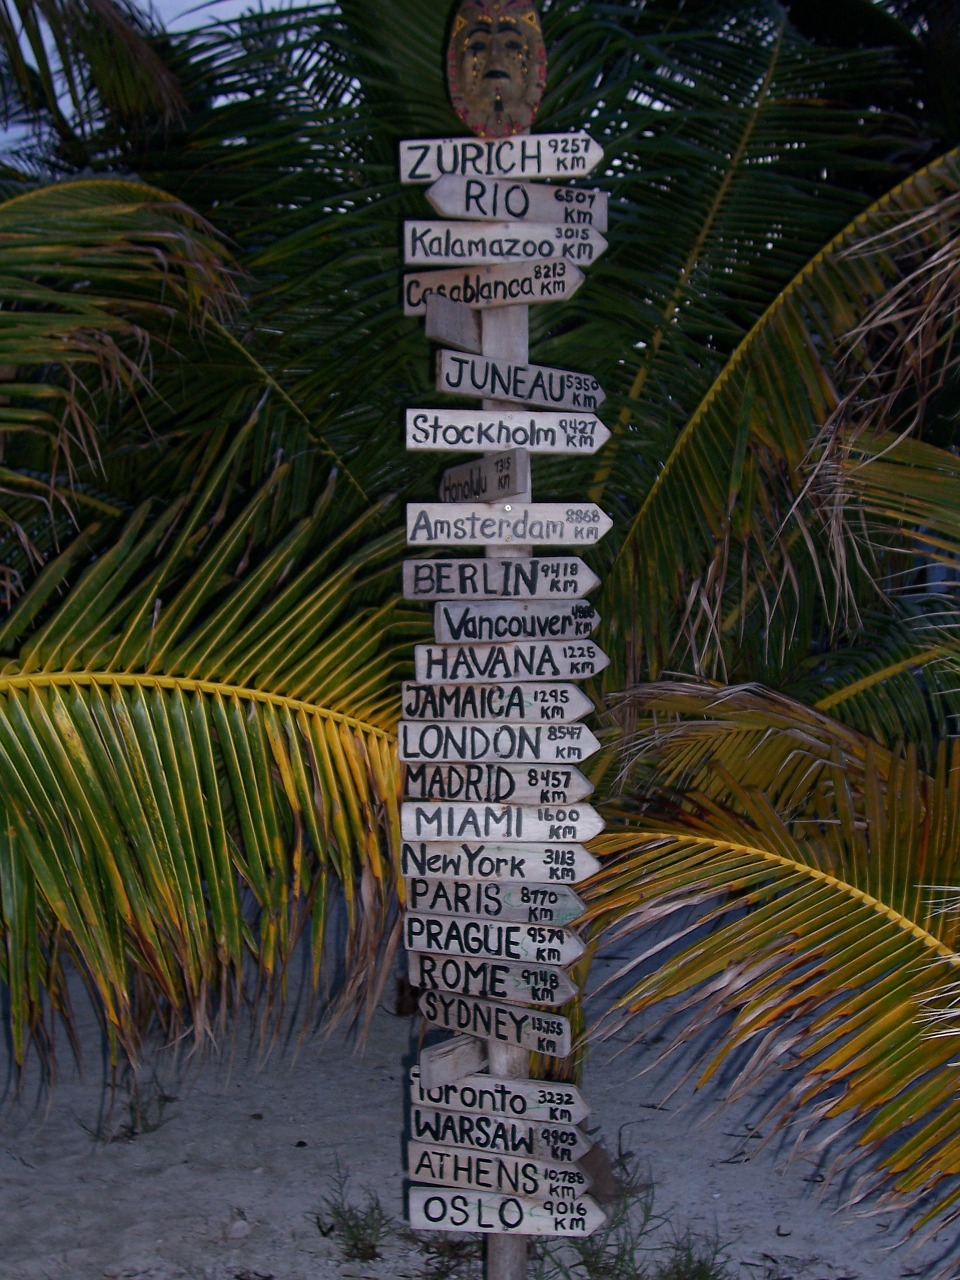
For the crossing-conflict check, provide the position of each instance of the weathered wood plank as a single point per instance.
(482, 288)
(520, 1099)
(544, 944)
(496, 524)
(541, 155)
(469, 860)
(470, 663)
(490, 199)
(494, 478)
(531, 703)
(518, 983)
(449, 741)
(451, 1059)
(483, 783)
(433, 243)
(499, 379)
(498, 900)
(524, 578)
(491, 621)
(540, 1180)
(445, 1209)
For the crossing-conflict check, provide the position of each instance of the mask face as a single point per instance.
(496, 66)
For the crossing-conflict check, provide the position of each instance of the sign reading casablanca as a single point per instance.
(539, 578)
(493, 286)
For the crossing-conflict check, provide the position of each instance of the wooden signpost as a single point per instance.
(494, 814)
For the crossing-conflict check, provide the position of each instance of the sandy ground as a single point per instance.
(235, 1181)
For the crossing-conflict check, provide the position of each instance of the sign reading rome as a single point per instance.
(491, 979)
(542, 155)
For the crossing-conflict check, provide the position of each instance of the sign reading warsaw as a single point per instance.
(469, 429)
(538, 1032)
(470, 663)
(566, 863)
(481, 1131)
(472, 244)
(489, 199)
(446, 1209)
(519, 903)
(492, 939)
(477, 524)
(522, 1099)
(467, 375)
(542, 155)
(520, 579)
(497, 476)
(491, 979)
(535, 703)
(494, 286)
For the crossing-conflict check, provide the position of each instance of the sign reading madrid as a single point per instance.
(523, 784)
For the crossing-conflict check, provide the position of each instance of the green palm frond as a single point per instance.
(777, 880)
(197, 763)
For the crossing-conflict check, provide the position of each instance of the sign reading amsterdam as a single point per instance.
(518, 903)
(480, 783)
(492, 620)
(490, 199)
(521, 1099)
(536, 703)
(450, 741)
(443, 820)
(467, 524)
(535, 1179)
(494, 286)
(472, 244)
(469, 429)
(491, 979)
(445, 1209)
(466, 375)
(538, 1032)
(539, 578)
(468, 663)
(543, 155)
(498, 476)
(492, 939)
(463, 860)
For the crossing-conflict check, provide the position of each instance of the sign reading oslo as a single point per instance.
(492, 286)
(534, 703)
(446, 1209)
(514, 981)
(542, 155)
(521, 1099)
(469, 429)
(469, 663)
(477, 524)
(489, 199)
(496, 379)
(536, 578)
(558, 864)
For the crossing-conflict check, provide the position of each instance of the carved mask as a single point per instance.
(496, 66)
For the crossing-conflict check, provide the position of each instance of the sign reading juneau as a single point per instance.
(496, 379)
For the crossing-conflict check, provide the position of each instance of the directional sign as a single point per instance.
(448, 741)
(523, 784)
(489, 199)
(534, 1179)
(519, 1099)
(429, 243)
(514, 981)
(524, 1028)
(558, 864)
(536, 703)
(521, 903)
(492, 620)
(443, 820)
(451, 1059)
(492, 939)
(497, 379)
(540, 155)
(479, 1131)
(505, 524)
(453, 324)
(445, 1209)
(469, 663)
(536, 578)
(490, 479)
(496, 286)
(469, 429)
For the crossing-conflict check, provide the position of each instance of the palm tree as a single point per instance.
(201, 654)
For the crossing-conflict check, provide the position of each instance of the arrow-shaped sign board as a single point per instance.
(469, 663)
(450, 741)
(492, 286)
(489, 199)
(560, 784)
(494, 478)
(509, 1023)
(447, 1209)
(466, 430)
(526, 578)
(498, 379)
(478, 1131)
(491, 620)
(521, 1099)
(430, 243)
(467, 860)
(518, 903)
(531, 155)
(533, 703)
(519, 983)
(443, 820)
(534, 1179)
(505, 524)
(492, 940)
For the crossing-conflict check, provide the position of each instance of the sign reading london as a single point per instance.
(543, 155)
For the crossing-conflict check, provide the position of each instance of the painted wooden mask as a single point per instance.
(496, 66)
